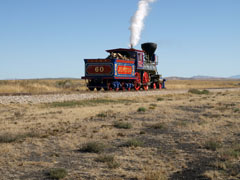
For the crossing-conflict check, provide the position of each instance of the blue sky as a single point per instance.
(50, 38)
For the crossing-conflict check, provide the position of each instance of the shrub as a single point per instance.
(220, 165)
(152, 106)
(66, 104)
(196, 91)
(157, 126)
(133, 143)
(113, 164)
(89, 102)
(57, 173)
(236, 110)
(64, 84)
(155, 175)
(105, 158)
(205, 91)
(233, 152)
(102, 115)
(122, 125)
(9, 138)
(17, 114)
(93, 147)
(212, 145)
(109, 159)
(141, 109)
(160, 99)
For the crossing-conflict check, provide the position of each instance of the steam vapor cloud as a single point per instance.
(137, 21)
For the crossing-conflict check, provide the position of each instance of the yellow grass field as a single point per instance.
(42, 86)
(201, 84)
(160, 137)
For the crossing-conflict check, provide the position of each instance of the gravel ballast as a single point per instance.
(36, 99)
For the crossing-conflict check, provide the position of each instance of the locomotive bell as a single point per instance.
(149, 48)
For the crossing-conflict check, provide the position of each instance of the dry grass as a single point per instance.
(141, 109)
(132, 143)
(9, 138)
(43, 86)
(91, 102)
(212, 145)
(122, 125)
(193, 136)
(57, 173)
(196, 91)
(92, 147)
(201, 84)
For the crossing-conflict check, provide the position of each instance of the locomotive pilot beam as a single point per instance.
(124, 69)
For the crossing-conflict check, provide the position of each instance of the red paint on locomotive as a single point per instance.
(97, 60)
(99, 69)
(124, 61)
(124, 69)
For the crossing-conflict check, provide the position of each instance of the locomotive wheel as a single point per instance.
(154, 86)
(123, 86)
(159, 86)
(137, 81)
(98, 88)
(91, 88)
(137, 87)
(145, 87)
(109, 88)
(145, 80)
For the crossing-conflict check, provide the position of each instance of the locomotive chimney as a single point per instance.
(149, 48)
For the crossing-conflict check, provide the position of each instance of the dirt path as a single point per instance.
(35, 99)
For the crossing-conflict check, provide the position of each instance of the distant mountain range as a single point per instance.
(235, 77)
(200, 77)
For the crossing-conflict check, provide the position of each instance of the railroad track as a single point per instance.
(48, 98)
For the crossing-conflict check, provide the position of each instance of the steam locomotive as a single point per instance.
(125, 69)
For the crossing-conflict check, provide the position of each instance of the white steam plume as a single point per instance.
(137, 21)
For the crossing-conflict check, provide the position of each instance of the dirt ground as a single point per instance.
(182, 136)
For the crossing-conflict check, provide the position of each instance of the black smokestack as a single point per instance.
(149, 48)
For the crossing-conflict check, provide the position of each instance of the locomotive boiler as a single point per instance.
(125, 69)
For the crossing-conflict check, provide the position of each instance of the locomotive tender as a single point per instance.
(124, 69)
